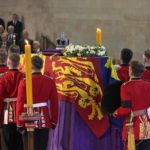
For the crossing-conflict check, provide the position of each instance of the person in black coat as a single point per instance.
(12, 37)
(36, 47)
(2, 22)
(111, 98)
(22, 42)
(17, 25)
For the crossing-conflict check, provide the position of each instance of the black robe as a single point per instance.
(111, 99)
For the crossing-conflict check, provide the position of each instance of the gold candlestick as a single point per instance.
(14, 39)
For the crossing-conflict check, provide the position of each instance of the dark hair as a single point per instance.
(147, 53)
(14, 49)
(126, 55)
(3, 57)
(37, 62)
(137, 68)
(15, 59)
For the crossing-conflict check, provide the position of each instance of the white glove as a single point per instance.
(148, 111)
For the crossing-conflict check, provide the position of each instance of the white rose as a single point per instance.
(78, 47)
(101, 53)
(103, 47)
(87, 52)
(92, 47)
(79, 54)
(70, 50)
(92, 52)
(81, 48)
(71, 47)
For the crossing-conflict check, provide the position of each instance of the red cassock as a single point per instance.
(123, 72)
(135, 95)
(45, 100)
(146, 74)
(9, 82)
(3, 69)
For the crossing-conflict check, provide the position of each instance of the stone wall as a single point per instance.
(124, 23)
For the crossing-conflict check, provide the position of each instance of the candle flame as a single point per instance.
(98, 29)
(26, 41)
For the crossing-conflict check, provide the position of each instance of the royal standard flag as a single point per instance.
(80, 81)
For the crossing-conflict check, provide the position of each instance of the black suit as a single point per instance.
(18, 27)
(2, 22)
(22, 45)
(10, 40)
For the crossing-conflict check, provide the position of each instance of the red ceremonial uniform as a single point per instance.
(9, 82)
(3, 69)
(44, 97)
(123, 72)
(146, 74)
(135, 95)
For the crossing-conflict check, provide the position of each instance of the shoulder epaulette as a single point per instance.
(2, 74)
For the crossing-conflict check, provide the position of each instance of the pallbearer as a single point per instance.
(44, 101)
(8, 94)
(125, 58)
(3, 69)
(135, 99)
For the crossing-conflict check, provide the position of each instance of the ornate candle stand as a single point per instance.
(29, 118)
